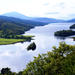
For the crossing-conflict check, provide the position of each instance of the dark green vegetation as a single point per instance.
(64, 33)
(72, 27)
(13, 36)
(10, 41)
(32, 46)
(12, 28)
(14, 39)
(10, 25)
(73, 38)
(61, 61)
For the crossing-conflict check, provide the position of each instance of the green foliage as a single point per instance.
(61, 61)
(10, 25)
(64, 33)
(32, 46)
(13, 36)
(11, 39)
(12, 28)
(5, 71)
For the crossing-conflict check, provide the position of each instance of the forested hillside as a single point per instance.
(10, 25)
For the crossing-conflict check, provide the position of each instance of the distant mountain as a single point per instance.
(38, 19)
(48, 20)
(16, 15)
(72, 20)
(22, 21)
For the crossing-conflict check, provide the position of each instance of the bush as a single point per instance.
(61, 61)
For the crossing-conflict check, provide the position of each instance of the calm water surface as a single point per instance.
(16, 56)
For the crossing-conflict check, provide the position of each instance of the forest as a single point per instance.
(11, 29)
(64, 33)
(10, 25)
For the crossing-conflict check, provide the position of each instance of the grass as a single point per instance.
(6, 41)
(10, 41)
(26, 35)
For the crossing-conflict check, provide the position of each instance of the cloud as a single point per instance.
(46, 4)
(52, 13)
(40, 8)
(72, 15)
(61, 5)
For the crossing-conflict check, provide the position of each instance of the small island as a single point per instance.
(32, 46)
(64, 33)
(72, 27)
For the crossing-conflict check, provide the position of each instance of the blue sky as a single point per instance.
(61, 9)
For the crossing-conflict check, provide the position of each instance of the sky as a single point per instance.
(60, 9)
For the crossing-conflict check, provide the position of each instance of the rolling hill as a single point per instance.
(48, 20)
(72, 20)
(16, 15)
(10, 25)
(38, 19)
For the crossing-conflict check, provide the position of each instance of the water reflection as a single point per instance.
(61, 38)
(16, 56)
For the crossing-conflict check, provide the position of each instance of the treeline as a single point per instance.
(13, 36)
(65, 33)
(13, 28)
(72, 27)
(60, 61)
(10, 25)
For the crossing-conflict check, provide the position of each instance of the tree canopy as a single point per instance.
(64, 33)
(60, 61)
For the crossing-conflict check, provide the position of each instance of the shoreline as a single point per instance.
(7, 41)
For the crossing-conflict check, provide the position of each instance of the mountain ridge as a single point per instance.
(38, 19)
(16, 15)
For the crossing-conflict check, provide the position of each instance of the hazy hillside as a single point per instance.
(47, 20)
(72, 20)
(10, 25)
(25, 22)
(16, 15)
(38, 19)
